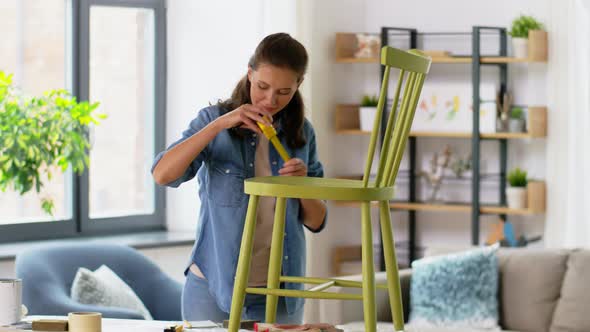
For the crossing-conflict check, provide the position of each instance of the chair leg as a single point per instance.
(243, 268)
(393, 285)
(369, 295)
(276, 259)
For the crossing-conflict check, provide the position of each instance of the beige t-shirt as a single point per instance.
(264, 219)
(264, 222)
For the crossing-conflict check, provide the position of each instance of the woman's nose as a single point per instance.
(273, 97)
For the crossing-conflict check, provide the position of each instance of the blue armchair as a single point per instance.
(48, 272)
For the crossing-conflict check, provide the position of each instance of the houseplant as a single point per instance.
(520, 33)
(516, 123)
(367, 112)
(41, 135)
(516, 192)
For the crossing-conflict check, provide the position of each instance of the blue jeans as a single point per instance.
(198, 304)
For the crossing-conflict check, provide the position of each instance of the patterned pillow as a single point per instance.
(457, 290)
(104, 287)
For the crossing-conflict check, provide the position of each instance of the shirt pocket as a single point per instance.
(226, 184)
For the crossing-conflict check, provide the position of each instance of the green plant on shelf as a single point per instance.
(369, 101)
(522, 24)
(517, 178)
(517, 113)
(41, 135)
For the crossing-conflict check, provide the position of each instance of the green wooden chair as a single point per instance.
(416, 66)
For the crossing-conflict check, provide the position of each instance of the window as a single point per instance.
(34, 50)
(105, 51)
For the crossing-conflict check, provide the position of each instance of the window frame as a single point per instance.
(80, 223)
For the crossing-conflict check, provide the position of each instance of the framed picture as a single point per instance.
(448, 108)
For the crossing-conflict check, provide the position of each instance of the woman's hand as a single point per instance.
(294, 167)
(246, 116)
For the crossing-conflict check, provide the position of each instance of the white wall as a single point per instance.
(209, 45)
(208, 48)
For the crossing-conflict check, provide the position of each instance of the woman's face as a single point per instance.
(271, 87)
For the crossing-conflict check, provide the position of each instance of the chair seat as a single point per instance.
(316, 188)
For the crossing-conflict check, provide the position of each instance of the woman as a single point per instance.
(223, 146)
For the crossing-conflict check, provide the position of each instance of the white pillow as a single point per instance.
(105, 288)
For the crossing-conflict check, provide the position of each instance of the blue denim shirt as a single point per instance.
(221, 169)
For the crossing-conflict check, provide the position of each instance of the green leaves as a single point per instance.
(517, 178)
(517, 113)
(39, 135)
(47, 206)
(522, 24)
(369, 101)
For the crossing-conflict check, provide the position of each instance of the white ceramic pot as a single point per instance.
(516, 125)
(367, 117)
(11, 308)
(516, 197)
(520, 47)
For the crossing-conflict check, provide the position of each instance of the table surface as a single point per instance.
(126, 325)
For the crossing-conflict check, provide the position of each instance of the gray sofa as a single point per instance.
(540, 290)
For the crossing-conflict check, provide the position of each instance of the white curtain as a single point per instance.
(568, 143)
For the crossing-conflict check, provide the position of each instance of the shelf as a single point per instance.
(446, 134)
(468, 135)
(439, 134)
(505, 210)
(449, 59)
(431, 207)
(357, 60)
(509, 135)
(488, 209)
(352, 132)
(488, 60)
(347, 46)
(347, 123)
(443, 134)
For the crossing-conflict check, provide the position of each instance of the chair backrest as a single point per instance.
(416, 66)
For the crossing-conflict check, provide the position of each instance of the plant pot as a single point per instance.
(367, 117)
(520, 47)
(516, 197)
(516, 125)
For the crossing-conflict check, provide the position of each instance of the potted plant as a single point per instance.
(516, 192)
(516, 123)
(520, 33)
(41, 135)
(367, 112)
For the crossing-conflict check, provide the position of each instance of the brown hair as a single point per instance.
(281, 50)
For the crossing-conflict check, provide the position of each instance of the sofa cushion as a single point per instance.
(104, 287)
(457, 290)
(571, 313)
(530, 283)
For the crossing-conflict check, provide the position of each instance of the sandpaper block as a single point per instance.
(247, 324)
(50, 325)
